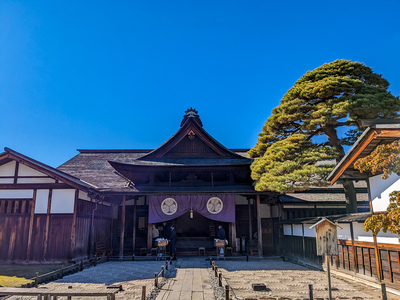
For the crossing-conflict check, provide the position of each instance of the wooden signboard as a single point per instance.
(326, 237)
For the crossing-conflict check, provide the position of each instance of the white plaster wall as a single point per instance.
(287, 229)
(63, 201)
(27, 171)
(240, 200)
(344, 233)
(265, 211)
(380, 190)
(84, 196)
(309, 232)
(7, 169)
(275, 211)
(6, 180)
(42, 197)
(297, 230)
(35, 180)
(360, 234)
(16, 194)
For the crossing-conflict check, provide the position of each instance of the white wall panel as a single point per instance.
(240, 200)
(27, 171)
(63, 201)
(7, 169)
(297, 230)
(7, 180)
(380, 190)
(344, 233)
(16, 194)
(42, 197)
(265, 211)
(84, 196)
(36, 180)
(309, 232)
(287, 229)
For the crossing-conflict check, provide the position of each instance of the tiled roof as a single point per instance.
(319, 197)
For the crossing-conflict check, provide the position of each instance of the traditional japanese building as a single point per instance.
(114, 197)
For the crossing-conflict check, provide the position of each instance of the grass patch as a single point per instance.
(12, 281)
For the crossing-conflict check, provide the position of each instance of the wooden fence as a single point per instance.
(378, 261)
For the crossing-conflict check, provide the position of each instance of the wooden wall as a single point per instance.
(51, 234)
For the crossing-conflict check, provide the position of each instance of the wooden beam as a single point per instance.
(122, 240)
(47, 228)
(30, 231)
(32, 186)
(73, 229)
(260, 240)
(134, 226)
(16, 172)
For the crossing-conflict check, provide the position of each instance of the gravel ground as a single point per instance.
(285, 280)
(131, 275)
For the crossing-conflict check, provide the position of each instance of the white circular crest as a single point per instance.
(169, 206)
(214, 205)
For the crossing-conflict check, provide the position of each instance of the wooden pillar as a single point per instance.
(31, 219)
(250, 221)
(354, 250)
(378, 260)
(259, 228)
(73, 229)
(47, 229)
(232, 241)
(149, 237)
(304, 242)
(122, 240)
(134, 226)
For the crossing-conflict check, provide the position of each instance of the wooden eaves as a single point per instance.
(378, 132)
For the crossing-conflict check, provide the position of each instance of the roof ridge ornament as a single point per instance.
(191, 112)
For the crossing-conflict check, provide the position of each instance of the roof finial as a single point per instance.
(191, 111)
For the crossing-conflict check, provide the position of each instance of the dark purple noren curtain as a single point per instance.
(215, 207)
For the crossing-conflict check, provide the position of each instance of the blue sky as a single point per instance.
(120, 74)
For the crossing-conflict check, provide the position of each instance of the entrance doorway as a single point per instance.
(196, 232)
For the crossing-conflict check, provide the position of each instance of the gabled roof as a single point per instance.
(75, 182)
(378, 132)
(192, 136)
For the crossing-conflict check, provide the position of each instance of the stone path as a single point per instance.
(192, 281)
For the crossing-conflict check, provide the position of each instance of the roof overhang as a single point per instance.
(378, 132)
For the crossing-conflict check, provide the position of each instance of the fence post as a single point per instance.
(143, 292)
(220, 279)
(156, 279)
(62, 271)
(36, 279)
(166, 265)
(247, 258)
(226, 292)
(162, 271)
(384, 295)
(216, 271)
(213, 265)
(310, 291)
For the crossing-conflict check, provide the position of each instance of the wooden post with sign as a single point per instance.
(327, 244)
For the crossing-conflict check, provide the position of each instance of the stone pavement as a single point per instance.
(192, 281)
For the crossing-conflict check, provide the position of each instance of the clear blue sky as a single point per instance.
(120, 74)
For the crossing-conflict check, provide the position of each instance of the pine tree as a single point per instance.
(301, 136)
